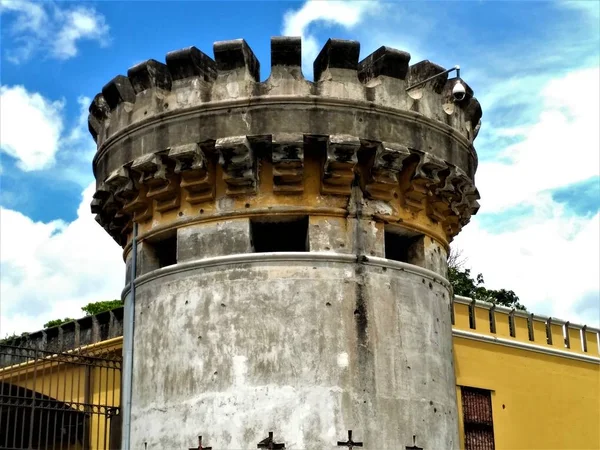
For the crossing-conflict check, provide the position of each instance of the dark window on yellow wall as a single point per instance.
(280, 235)
(477, 419)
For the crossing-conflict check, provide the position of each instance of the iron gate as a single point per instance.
(60, 400)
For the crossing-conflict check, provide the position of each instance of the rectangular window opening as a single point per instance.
(477, 418)
(282, 234)
(405, 246)
(161, 251)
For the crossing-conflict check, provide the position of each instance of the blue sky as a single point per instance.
(534, 67)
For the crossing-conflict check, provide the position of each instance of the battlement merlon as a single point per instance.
(420, 141)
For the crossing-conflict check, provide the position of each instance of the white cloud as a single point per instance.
(51, 29)
(558, 149)
(343, 13)
(550, 261)
(33, 131)
(30, 128)
(50, 270)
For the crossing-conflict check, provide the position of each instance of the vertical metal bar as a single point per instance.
(71, 401)
(33, 391)
(106, 408)
(128, 330)
(3, 353)
(19, 406)
(65, 366)
(49, 414)
(42, 410)
(86, 400)
(98, 389)
(79, 412)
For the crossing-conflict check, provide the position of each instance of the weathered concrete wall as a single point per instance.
(307, 347)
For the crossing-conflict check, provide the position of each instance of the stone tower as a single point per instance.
(291, 247)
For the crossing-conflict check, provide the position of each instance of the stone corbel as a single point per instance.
(389, 159)
(161, 182)
(196, 177)
(438, 206)
(239, 165)
(468, 205)
(288, 163)
(338, 170)
(423, 180)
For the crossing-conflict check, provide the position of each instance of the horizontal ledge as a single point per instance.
(312, 101)
(245, 258)
(524, 346)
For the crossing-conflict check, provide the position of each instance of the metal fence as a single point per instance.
(60, 400)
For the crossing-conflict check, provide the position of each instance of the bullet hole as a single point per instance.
(395, 195)
(166, 105)
(503, 406)
(228, 110)
(215, 373)
(365, 401)
(145, 112)
(385, 269)
(437, 319)
(360, 119)
(247, 205)
(408, 367)
(223, 305)
(314, 267)
(201, 211)
(430, 285)
(434, 410)
(342, 245)
(327, 248)
(199, 337)
(372, 253)
(327, 304)
(186, 302)
(431, 402)
(180, 214)
(423, 280)
(356, 312)
(432, 241)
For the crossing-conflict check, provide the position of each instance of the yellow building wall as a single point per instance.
(539, 400)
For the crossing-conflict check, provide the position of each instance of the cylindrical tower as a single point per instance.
(291, 257)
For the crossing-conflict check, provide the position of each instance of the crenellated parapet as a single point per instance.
(197, 136)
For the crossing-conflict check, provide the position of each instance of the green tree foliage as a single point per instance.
(92, 309)
(464, 284)
(57, 322)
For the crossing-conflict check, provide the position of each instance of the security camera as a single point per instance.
(458, 91)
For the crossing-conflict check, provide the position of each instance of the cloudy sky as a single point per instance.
(534, 67)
